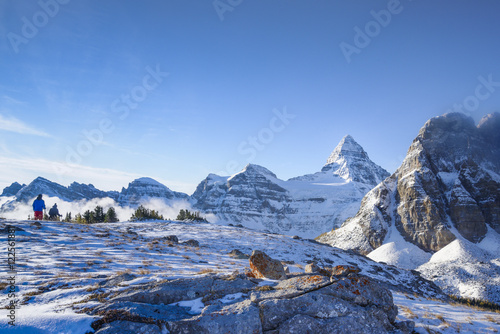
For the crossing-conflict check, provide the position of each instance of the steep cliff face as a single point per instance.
(448, 183)
(307, 205)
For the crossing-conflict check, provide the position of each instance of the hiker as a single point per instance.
(54, 213)
(38, 207)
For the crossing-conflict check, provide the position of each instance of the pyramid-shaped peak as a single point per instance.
(347, 147)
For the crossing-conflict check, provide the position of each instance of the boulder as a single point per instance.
(171, 238)
(237, 254)
(263, 266)
(191, 243)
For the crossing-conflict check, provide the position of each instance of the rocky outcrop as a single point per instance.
(450, 179)
(239, 304)
(263, 266)
(306, 206)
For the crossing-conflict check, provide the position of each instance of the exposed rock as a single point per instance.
(342, 271)
(191, 243)
(241, 318)
(128, 327)
(263, 266)
(301, 304)
(237, 254)
(312, 268)
(171, 238)
(169, 292)
(115, 280)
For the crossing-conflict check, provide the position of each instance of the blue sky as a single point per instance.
(103, 92)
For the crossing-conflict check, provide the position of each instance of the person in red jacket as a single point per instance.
(38, 207)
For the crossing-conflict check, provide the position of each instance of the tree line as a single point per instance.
(98, 215)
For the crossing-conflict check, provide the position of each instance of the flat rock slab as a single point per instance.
(128, 327)
(239, 318)
(292, 287)
(169, 292)
(142, 311)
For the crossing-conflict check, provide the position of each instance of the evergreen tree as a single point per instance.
(99, 214)
(188, 215)
(110, 216)
(145, 214)
(181, 215)
(68, 217)
(79, 219)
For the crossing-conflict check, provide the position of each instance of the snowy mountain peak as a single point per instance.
(12, 189)
(253, 169)
(145, 188)
(350, 162)
(347, 147)
(147, 180)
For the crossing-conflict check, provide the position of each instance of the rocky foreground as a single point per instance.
(334, 300)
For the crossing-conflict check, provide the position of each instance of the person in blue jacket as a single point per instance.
(38, 207)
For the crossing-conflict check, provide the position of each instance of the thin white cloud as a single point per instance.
(15, 125)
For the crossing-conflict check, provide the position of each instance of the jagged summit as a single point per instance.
(350, 162)
(13, 189)
(347, 147)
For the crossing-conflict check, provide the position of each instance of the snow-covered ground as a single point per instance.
(60, 265)
(432, 316)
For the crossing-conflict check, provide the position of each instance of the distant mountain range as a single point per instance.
(307, 205)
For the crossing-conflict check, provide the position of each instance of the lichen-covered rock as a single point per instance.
(263, 266)
(341, 271)
(305, 303)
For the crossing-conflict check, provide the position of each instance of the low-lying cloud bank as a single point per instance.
(169, 210)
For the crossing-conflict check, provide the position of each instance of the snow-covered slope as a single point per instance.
(465, 269)
(307, 205)
(64, 268)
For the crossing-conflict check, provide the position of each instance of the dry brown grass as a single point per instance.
(408, 312)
